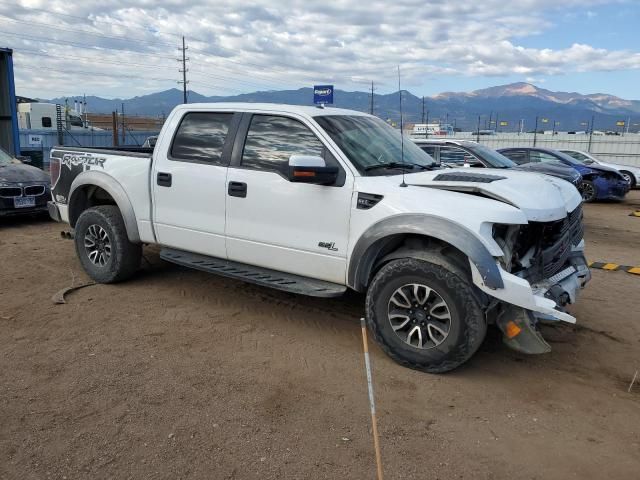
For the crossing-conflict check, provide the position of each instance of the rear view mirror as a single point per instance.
(311, 169)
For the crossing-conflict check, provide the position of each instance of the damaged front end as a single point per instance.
(543, 269)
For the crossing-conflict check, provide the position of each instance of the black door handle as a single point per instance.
(164, 179)
(237, 189)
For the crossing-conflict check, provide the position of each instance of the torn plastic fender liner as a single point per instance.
(519, 331)
(517, 291)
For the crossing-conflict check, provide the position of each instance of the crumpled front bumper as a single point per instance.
(547, 298)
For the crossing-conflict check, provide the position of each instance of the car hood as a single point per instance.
(601, 168)
(19, 173)
(540, 197)
(556, 169)
(619, 167)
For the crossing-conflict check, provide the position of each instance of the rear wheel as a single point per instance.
(424, 316)
(103, 247)
(588, 191)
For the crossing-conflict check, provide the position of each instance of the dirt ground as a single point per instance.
(181, 374)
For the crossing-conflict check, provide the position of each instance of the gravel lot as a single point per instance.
(181, 374)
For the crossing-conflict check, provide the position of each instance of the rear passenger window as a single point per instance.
(452, 155)
(271, 140)
(430, 149)
(200, 137)
(517, 156)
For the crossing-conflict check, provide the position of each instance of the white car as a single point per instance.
(316, 201)
(629, 172)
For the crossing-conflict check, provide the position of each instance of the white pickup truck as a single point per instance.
(314, 201)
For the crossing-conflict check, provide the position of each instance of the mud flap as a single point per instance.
(519, 331)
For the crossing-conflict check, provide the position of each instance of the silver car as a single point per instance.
(629, 172)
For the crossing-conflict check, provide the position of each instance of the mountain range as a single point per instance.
(510, 103)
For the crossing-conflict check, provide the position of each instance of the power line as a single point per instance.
(79, 45)
(77, 17)
(95, 34)
(92, 60)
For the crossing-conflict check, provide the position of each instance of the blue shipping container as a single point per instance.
(8, 110)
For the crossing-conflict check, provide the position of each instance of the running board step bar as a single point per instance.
(258, 275)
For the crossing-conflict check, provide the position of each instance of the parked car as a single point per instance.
(467, 153)
(629, 172)
(317, 201)
(150, 142)
(23, 188)
(598, 182)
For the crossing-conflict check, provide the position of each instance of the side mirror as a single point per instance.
(311, 169)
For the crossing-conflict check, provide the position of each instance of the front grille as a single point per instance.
(34, 190)
(552, 243)
(9, 192)
(557, 241)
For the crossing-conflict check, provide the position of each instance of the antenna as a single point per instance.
(403, 184)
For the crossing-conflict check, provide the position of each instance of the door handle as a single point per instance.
(164, 179)
(237, 189)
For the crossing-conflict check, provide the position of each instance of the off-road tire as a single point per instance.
(125, 256)
(468, 325)
(592, 191)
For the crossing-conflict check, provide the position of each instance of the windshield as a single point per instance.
(493, 158)
(6, 159)
(372, 146)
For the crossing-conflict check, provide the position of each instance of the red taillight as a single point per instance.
(54, 171)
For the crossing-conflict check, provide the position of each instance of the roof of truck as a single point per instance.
(312, 111)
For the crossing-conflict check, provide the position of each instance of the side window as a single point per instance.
(452, 155)
(430, 149)
(517, 156)
(542, 157)
(200, 137)
(46, 122)
(271, 140)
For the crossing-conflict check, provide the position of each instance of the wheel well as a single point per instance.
(86, 197)
(631, 176)
(422, 247)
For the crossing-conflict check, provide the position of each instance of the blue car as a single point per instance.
(598, 182)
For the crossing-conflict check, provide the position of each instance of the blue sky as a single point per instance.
(128, 48)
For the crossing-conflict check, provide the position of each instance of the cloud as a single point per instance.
(123, 48)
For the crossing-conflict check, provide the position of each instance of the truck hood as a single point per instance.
(540, 197)
(20, 173)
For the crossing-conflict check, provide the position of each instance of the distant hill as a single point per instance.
(510, 103)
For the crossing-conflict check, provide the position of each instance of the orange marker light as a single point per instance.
(512, 329)
(303, 174)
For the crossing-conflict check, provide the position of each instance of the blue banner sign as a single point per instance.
(323, 94)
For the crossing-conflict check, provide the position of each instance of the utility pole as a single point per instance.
(535, 132)
(423, 109)
(114, 128)
(371, 108)
(593, 118)
(426, 128)
(124, 128)
(184, 71)
(478, 131)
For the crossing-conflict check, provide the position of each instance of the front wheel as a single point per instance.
(588, 191)
(103, 247)
(629, 177)
(424, 316)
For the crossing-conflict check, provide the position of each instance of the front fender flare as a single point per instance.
(113, 188)
(365, 253)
